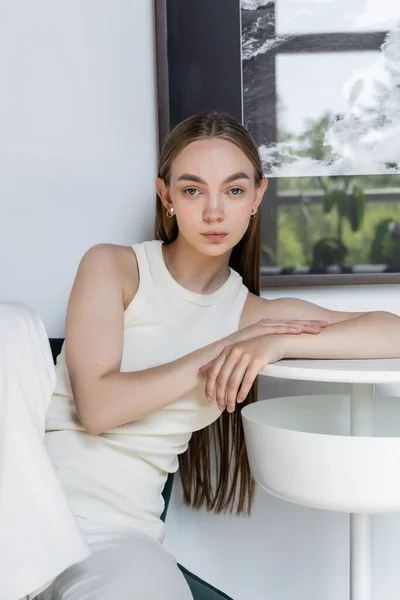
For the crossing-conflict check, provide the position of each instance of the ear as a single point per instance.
(162, 192)
(262, 188)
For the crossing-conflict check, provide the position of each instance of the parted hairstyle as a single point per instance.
(232, 484)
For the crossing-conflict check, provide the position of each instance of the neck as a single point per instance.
(195, 271)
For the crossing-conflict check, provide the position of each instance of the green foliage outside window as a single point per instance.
(369, 232)
(301, 226)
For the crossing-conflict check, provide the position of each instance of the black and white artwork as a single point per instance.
(356, 92)
(321, 96)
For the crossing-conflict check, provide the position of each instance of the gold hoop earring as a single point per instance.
(253, 216)
(169, 213)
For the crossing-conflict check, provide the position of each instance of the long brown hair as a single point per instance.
(233, 482)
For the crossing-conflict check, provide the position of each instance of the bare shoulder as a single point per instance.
(257, 308)
(116, 262)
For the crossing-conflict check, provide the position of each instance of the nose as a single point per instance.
(213, 210)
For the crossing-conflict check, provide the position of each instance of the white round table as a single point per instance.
(335, 452)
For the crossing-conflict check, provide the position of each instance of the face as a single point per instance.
(213, 193)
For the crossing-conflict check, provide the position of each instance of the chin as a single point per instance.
(216, 248)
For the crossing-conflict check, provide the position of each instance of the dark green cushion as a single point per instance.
(199, 588)
(167, 494)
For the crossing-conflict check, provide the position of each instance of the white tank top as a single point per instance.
(118, 477)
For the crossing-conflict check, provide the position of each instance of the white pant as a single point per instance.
(40, 539)
(124, 565)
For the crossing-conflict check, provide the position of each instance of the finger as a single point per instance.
(303, 326)
(292, 325)
(311, 329)
(248, 381)
(289, 329)
(295, 322)
(212, 373)
(235, 381)
(224, 375)
(315, 322)
(280, 329)
(283, 328)
(313, 326)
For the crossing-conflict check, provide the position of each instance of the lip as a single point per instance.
(215, 236)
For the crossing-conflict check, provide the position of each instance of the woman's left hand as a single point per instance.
(230, 375)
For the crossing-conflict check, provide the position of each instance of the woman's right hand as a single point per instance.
(274, 327)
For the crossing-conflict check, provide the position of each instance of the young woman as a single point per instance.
(164, 341)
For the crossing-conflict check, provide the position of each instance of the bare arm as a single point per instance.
(257, 308)
(104, 397)
(371, 335)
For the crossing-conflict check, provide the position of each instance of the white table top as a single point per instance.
(340, 371)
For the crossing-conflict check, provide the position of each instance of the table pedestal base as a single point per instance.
(361, 524)
(360, 557)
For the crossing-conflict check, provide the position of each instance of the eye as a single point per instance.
(191, 191)
(236, 191)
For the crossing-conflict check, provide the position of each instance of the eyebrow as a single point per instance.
(197, 179)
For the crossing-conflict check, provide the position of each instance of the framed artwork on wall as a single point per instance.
(317, 83)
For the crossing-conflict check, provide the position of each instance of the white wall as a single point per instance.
(78, 159)
(78, 143)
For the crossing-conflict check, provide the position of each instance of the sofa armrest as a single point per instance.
(200, 589)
